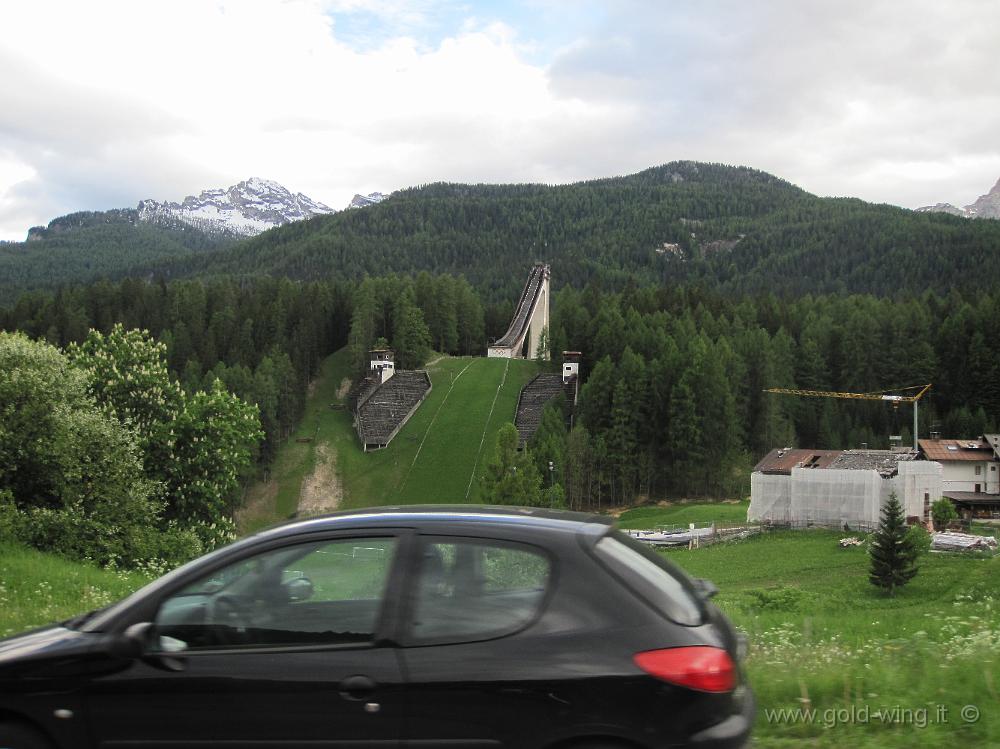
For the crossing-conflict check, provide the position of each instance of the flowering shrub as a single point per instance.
(104, 457)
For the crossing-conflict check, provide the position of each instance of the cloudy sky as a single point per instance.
(105, 102)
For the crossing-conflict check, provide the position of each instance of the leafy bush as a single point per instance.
(775, 599)
(918, 536)
(943, 512)
(9, 517)
(83, 449)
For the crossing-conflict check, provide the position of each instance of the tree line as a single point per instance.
(673, 401)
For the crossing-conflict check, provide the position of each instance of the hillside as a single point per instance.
(437, 457)
(732, 228)
(88, 246)
(735, 228)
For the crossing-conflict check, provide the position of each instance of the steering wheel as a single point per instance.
(229, 617)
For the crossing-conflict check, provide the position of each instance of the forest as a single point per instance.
(672, 401)
(91, 245)
(735, 229)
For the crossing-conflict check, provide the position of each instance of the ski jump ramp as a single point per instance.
(530, 318)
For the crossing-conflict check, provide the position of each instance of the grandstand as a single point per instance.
(530, 404)
(383, 408)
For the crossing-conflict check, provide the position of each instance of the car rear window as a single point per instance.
(476, 589)
(663, 586)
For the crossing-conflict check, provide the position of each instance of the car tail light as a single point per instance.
(700, 667)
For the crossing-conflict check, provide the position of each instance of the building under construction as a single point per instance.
(840, 488)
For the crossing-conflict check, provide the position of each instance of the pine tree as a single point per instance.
(893, 553)
(511, 477)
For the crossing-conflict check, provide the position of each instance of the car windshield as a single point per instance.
(664, 586)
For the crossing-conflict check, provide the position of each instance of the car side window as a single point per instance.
(327, 592)
(475, 589)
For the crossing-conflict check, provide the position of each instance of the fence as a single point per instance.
(695, 535)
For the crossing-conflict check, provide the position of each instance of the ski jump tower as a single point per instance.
(531, 317)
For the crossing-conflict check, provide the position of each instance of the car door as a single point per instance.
(474, 678)
(281, 648)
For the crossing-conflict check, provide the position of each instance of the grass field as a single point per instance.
(438, 456)
(684, 513)
(833, 663)
(878, 672)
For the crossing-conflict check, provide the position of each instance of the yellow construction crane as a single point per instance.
(881, 395)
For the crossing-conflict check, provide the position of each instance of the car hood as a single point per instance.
(53, 643)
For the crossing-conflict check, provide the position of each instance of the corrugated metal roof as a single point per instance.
(783, 460)
(951, 450)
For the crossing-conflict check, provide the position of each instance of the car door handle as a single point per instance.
(357, 687)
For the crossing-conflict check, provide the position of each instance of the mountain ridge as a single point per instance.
(243, 210)
(985, 206)
(736, 228)
(731, 228)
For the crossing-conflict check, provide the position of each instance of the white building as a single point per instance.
(382, 364)
(838, 488)
(971, 472)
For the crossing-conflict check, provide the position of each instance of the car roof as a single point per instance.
(413, 515)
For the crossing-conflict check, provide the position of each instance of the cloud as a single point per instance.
(842, 98)
(123, 100)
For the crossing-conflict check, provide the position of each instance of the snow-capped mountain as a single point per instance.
(361, 201)
(986, 206)
(245, 209)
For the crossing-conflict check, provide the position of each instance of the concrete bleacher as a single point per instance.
(383, 410)
(531, 402)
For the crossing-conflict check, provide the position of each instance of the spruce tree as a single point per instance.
(893, 553)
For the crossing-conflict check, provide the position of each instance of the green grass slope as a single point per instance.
(37, 588)
(438, 456)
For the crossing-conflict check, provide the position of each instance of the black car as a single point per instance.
(399, 627)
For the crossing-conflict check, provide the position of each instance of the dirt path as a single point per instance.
(344, 389)
(321, 490)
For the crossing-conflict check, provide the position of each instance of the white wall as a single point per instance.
(539, 320)
(916, 479)
(960, 476)
(835, 497)
(770, 498)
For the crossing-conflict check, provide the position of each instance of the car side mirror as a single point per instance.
(705, 588)
(131, 643)
(298, 588)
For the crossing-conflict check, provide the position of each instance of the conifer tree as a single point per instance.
(511, 476)
(893, 553)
